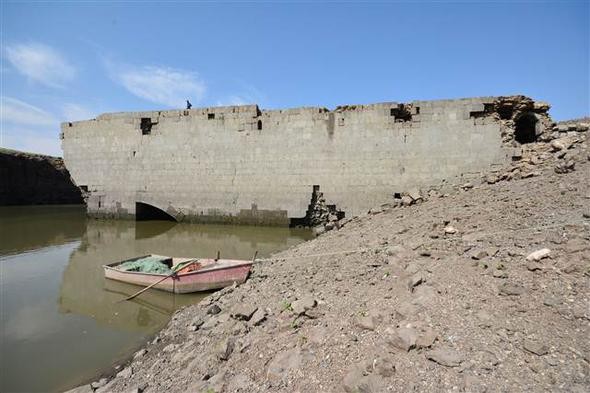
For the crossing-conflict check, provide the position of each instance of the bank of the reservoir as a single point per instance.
(35, 179)
(443, 295)
(61, 322)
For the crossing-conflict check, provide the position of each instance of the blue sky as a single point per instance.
(73, 60)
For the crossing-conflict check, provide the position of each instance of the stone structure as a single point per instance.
(240, 164)
(35, 179)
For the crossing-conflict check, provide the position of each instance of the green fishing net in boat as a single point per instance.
(146, 265)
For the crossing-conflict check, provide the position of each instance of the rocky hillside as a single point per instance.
(484, 287)
(34, 179)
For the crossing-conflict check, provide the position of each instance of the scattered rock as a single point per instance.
(99, 384)
(445, 357)
(318, 230)
(367, 322)
(403, 338)
(125, 373)
(426, 338)
(243, 311)
(484, 318)
(394, 250)
(565, 166)
(535, 347)
(196, 324)
(479, 254)
(499, 273)
(209, 324)
(214, 310)
(559, 144)
(552, 301)
(301, 306)
(450, 230)
(406, 200)
(283, 362)
(538, 255)
(415, 280)
(81, 389)
(216, 383)
(511, 289)
(139, 354)
(415, 194)
(258, 317)
(576, 245)
(492, 179)
(533, 266)
(412, 268)
(425, 253)
(360, 379)
(136, 389)
(225, 348)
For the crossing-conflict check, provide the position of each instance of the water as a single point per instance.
(60, 321)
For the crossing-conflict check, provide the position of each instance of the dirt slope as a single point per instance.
(35, 179)
(436, 296)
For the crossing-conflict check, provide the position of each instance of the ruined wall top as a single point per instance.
(502, 108)
(254, 110)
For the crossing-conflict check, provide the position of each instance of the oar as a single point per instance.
(146, 288)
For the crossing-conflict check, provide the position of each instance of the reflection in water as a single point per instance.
(145, 230)
(51, 226)
(83, 285)
(62, 320)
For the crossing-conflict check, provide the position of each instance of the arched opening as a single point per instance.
(525, 128)
(147, 212)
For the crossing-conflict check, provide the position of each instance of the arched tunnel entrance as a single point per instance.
(525, 128)
(147, 212)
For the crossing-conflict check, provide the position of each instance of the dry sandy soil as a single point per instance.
(437, 296)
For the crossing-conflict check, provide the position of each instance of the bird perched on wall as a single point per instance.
(188, 104)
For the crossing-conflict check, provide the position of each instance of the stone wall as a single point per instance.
(34, 179)
(243, 165)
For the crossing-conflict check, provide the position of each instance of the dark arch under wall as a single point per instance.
(525, 128)
(146, 212)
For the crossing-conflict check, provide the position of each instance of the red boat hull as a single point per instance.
(213, 275)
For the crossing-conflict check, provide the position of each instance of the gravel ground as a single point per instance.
(437, 296)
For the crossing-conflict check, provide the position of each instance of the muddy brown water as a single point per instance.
(60, 321)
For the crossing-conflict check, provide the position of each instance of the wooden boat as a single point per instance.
(193, 275)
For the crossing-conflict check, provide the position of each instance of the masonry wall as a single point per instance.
(240, 164)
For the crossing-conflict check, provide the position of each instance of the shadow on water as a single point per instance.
(61, 320)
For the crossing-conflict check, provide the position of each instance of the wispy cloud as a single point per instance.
(75, 112)
(248, 95)
(32, 140)
(26, 127)
(20, 113)
(235, 100)
(161, 85)
(40, 63)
